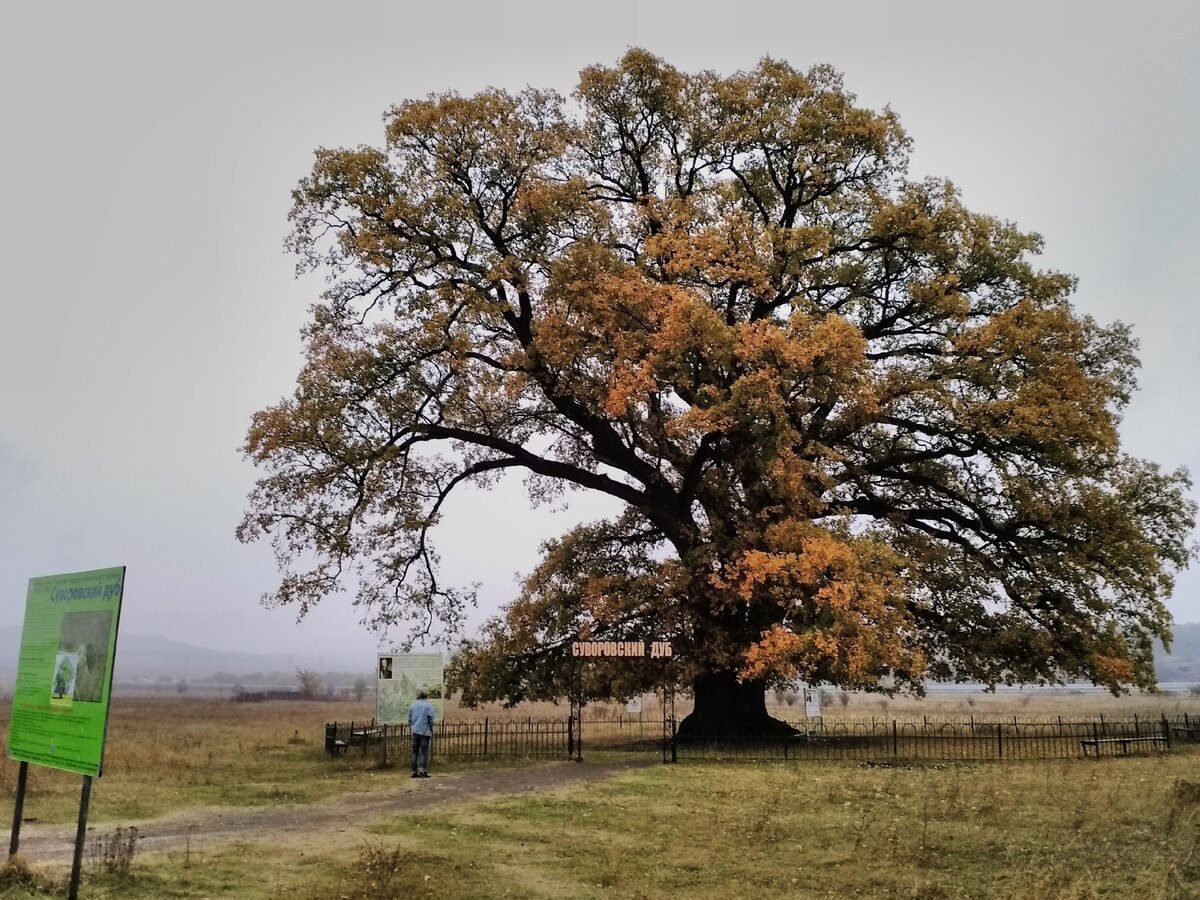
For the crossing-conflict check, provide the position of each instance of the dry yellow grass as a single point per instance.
(163, 752)
(1054, 829)
(167, 751)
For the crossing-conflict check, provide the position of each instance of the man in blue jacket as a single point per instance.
(420, 724)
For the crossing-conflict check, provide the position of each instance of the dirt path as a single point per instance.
(339, 820)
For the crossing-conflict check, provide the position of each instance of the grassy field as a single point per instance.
(1112, 828)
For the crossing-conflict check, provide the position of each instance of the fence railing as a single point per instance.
(879, 740)
(539, 739)
(873, 740)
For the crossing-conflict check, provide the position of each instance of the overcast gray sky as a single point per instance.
(148, 153)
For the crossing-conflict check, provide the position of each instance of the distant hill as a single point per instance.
(143, 657)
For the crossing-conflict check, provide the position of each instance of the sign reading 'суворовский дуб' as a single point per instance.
(64, 675)
(635, 649)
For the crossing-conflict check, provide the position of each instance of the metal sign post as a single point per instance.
(80, 836)
(18, 809)
(624, 649)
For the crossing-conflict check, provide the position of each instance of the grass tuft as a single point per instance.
(18, 876)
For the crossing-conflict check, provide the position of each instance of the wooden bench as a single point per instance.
(333, 746)
(368, 734)
(1124, 742)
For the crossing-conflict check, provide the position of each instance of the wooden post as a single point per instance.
(18, 808)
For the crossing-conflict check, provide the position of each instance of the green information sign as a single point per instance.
(64, 676)
(401, 675)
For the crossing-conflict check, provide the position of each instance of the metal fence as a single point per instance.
(534, 738)
(874, 740)
(880, 740)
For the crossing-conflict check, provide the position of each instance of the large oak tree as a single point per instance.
(852, 426)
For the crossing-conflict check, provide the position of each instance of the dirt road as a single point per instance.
(344, 816)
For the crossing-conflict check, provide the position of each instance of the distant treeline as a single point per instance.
(263, 696)
(1182, 664)
(330, 681)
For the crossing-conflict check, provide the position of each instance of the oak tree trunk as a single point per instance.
(726, 708)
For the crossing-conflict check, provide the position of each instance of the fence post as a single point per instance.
(895, 739)
(999, 741)
(1136, 731)
(384, 764)
(1166, 727)
(485, 735)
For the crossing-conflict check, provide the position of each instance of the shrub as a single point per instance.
(380, 868)
(113, 854)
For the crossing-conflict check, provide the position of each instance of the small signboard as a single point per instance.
(812, 703)
(634, 706)
(64, 673)
(400, 676)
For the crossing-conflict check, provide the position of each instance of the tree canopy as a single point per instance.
(853, 427)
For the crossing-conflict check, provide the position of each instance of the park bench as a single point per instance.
(366, 734)
(1124, 742)
(339, 739)
(333, 746)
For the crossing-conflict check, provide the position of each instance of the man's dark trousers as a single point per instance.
(420, 753)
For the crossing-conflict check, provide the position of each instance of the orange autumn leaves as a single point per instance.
(631, 342)
(840, 602)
